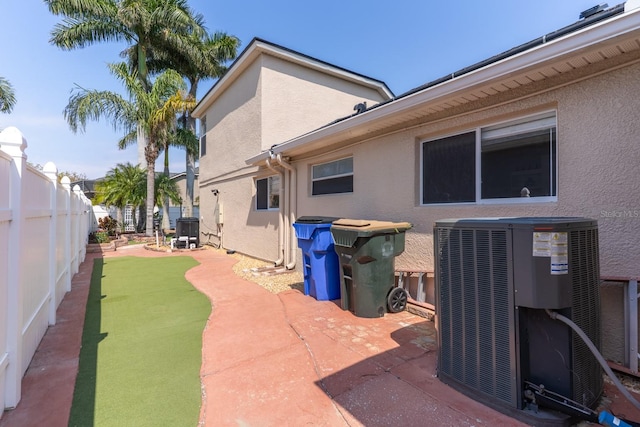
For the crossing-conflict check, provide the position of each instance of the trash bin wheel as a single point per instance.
(397, 300)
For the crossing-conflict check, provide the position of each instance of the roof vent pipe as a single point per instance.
(593, 10)
(280, 173)
(360, 108)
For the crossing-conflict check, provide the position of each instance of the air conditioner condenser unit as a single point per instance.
(495, 277)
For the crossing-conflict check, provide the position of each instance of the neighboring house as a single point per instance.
(87, 186)
(175, 210)
(181, 181)
(269, 94)
(555, 119)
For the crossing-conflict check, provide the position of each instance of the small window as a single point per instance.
(333, 177)
(268, 193)
(203, 145)
(203, 137)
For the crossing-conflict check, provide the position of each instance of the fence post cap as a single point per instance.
(11, 139)
(51, 171)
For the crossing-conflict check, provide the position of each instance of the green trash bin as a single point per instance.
(367, 251)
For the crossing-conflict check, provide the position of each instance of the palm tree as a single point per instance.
(205, 59)
(123, 185)
(153, 110)
(141, 23)
(179, 103)
(166, 190)
(7, 96)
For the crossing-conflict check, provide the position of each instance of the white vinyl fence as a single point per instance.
(44, 229)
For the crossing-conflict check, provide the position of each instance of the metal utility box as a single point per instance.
(495, 277)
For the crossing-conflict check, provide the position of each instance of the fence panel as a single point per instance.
(63, 222)
(43, 234)
(5, 218)
(34, 260)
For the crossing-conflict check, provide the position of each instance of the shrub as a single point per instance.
(108, 224)
(99, 237)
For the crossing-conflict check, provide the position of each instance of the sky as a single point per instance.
(404, 43)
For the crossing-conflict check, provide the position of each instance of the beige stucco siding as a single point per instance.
(254, 232)
(296, 100)
(598, 158)
(271, 101)
(233, 127)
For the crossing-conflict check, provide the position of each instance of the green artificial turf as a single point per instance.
(141, 345)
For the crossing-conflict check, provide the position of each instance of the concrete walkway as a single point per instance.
(278, 360)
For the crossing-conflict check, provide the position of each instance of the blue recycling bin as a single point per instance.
(320, 261)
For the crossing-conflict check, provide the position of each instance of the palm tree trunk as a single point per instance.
(150, 199)
(165, 202)
(142, 144)
(190, 179)
(190, 167)
(119, 221)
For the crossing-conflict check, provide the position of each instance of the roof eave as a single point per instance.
(537, 56)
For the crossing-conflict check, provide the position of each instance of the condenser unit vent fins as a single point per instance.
(475, 311)
(495, 278)
(585, 313)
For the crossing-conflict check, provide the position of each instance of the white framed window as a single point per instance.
(268, 193)
(332, 177)
(203, 136)
(514, 161)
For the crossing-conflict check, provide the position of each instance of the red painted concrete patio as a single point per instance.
(272, 360)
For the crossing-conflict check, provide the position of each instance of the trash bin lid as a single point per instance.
(187, 219)
(371, 226)
(316, 219)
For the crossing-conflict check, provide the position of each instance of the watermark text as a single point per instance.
(620, 213)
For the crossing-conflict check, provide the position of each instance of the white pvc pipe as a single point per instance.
(281, 214)
(290, 203)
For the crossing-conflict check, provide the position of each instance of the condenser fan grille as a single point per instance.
(585, 313)
(475, 314)
(494, 279)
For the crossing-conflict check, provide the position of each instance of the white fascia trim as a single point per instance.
(592, 35)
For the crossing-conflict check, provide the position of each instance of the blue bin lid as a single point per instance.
(316, 219)
(306, 231)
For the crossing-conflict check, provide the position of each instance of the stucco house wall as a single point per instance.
(589, 79)
(597, 170)
(274, 95)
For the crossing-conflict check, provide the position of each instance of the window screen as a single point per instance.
(268, 193)
(333, 177)
(449, 169)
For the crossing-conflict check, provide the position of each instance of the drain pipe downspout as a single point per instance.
(281, 214)
(290, 203)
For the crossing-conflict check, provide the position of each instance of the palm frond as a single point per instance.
(128, 140)
(7, 96)
(92, 105)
